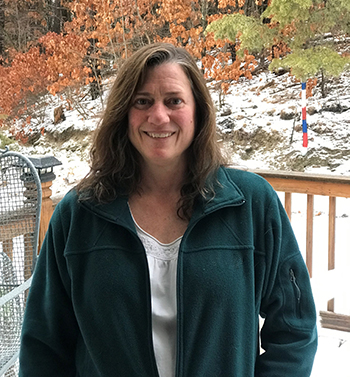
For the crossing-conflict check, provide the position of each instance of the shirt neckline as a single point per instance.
(150, 235)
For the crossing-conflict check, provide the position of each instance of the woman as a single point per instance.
(161, 260)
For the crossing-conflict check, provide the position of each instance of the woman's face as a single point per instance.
(162, 116)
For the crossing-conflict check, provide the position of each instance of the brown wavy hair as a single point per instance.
(115, 163)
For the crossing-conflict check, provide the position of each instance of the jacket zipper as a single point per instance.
(178, 365)
(296, 290)
(149, 300)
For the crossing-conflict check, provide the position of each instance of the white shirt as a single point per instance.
(162, 264)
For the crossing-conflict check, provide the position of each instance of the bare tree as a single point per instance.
(56, 15)
(2, 29)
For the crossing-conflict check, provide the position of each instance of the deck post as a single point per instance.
(44, 166)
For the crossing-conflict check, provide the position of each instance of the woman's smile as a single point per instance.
(163, 135)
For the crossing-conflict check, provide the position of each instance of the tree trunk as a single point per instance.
(94, 64)
(252, 9)
(323, 85)
(249, 7)
(204, 11)
(2, 30)
(57, 17)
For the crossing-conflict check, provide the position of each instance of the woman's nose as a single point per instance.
(158, 114)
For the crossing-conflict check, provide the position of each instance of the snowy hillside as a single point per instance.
(256, 136)
(250, 129)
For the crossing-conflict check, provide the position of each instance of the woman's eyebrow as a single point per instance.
(142, 94)
(171, 93)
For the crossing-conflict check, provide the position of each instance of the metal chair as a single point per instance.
(20, 206)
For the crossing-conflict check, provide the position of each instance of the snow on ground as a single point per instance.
(257, 104)
(332, 357)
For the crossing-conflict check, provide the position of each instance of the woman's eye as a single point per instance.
(141, 101)
(175, 101)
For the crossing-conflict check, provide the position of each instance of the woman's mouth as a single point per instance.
(159, 135)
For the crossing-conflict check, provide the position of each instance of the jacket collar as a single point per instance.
(117, 211)
(227, 193)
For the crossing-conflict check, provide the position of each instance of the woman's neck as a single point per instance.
(162, 180)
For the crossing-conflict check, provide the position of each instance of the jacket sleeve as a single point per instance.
(288, 335)
(49, 331)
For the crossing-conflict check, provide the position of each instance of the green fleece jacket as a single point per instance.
(89, 310)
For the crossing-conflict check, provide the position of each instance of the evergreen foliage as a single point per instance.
(309, 28)
(286, 11)
(308, 63)
(5, 141)
(251, 32)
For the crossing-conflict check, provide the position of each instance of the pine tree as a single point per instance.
(253, 35)
(313, 38)
(308, 30)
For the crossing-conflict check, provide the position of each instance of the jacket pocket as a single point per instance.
(298, 306)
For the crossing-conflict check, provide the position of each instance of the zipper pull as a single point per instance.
(294, 281)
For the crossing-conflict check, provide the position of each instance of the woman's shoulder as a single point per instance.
(69, 199)
(68, 205)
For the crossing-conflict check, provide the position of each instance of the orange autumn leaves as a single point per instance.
(106, 32)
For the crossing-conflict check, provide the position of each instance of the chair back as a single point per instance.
(20, 206)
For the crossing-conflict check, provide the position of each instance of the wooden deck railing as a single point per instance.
(313, 184)
(289, 183)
